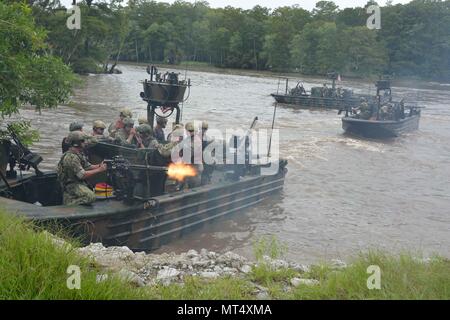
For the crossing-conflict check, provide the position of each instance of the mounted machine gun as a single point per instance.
(22, 156)
(164, 92)
(132, 181)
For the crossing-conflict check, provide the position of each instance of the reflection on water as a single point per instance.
(341, 194)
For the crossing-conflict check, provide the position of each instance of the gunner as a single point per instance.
(73, 171)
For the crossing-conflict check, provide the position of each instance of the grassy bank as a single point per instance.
(33, 267)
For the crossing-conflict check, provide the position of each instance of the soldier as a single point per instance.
(365, 111)
(142, 120)
(195, 181)
(145, 133)
(177, 132)
(384, 112)
(98, 129)
(115, 126)
(127, 134)
(207, 168)
(74, 126)
(159, 129)
(73, 171)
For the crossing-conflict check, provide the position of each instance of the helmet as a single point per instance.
(126, 113)
(177, 125)
(75, 138)
(204, 125)
(190, 126)
(128, 122)
(160, 120)
(99, 124)
(144, 129)
(76, 126)
(142, 120)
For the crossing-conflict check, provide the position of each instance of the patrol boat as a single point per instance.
(147, 207)
(319, 97)
(388, 118)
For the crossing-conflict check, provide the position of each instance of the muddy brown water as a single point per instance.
(342, 194)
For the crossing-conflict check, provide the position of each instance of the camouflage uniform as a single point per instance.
(365, 111)
(71, 169)
(122, 136)
(149, 141)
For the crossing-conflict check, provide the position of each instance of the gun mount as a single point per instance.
(164, 92)
(22, 156)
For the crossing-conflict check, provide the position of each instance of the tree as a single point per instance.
(365, 55)
(325, 10)
(28, 73)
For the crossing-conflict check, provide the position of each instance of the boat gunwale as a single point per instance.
(73, 211)
(374, 122)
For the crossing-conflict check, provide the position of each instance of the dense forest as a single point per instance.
(414, 39)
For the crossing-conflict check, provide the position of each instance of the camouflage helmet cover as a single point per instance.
(190, 126)
(128, 122)
(99, 124)
(144, 129)
(204, 125)
(75, 137)
(142, 120)
(77, 125)
(126, 113)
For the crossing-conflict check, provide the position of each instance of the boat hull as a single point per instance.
(147, 226)
(380, 129)
(306, 101)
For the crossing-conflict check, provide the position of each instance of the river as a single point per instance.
(341, 195)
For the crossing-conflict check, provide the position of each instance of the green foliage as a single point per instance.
(268, 246)
(28, 73)
(23, 130)
(414, 39)
(33, 267)
(227, 288)
(402, 277)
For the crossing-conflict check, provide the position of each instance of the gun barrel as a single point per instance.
(148, 167)
(125, 164)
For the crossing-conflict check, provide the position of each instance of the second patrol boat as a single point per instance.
(383, 118)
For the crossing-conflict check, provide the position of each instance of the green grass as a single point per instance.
(402, 277)
(33, 267)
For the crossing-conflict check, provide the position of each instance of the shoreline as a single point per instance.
(407, 82)
(36, 264)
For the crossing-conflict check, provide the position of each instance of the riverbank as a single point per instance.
(37, 265)
(406, 82)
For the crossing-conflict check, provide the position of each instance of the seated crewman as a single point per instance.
(74, 169)
(115, 126)
(74, 126)
(146, 136)
(98, 129)
(127, 134)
